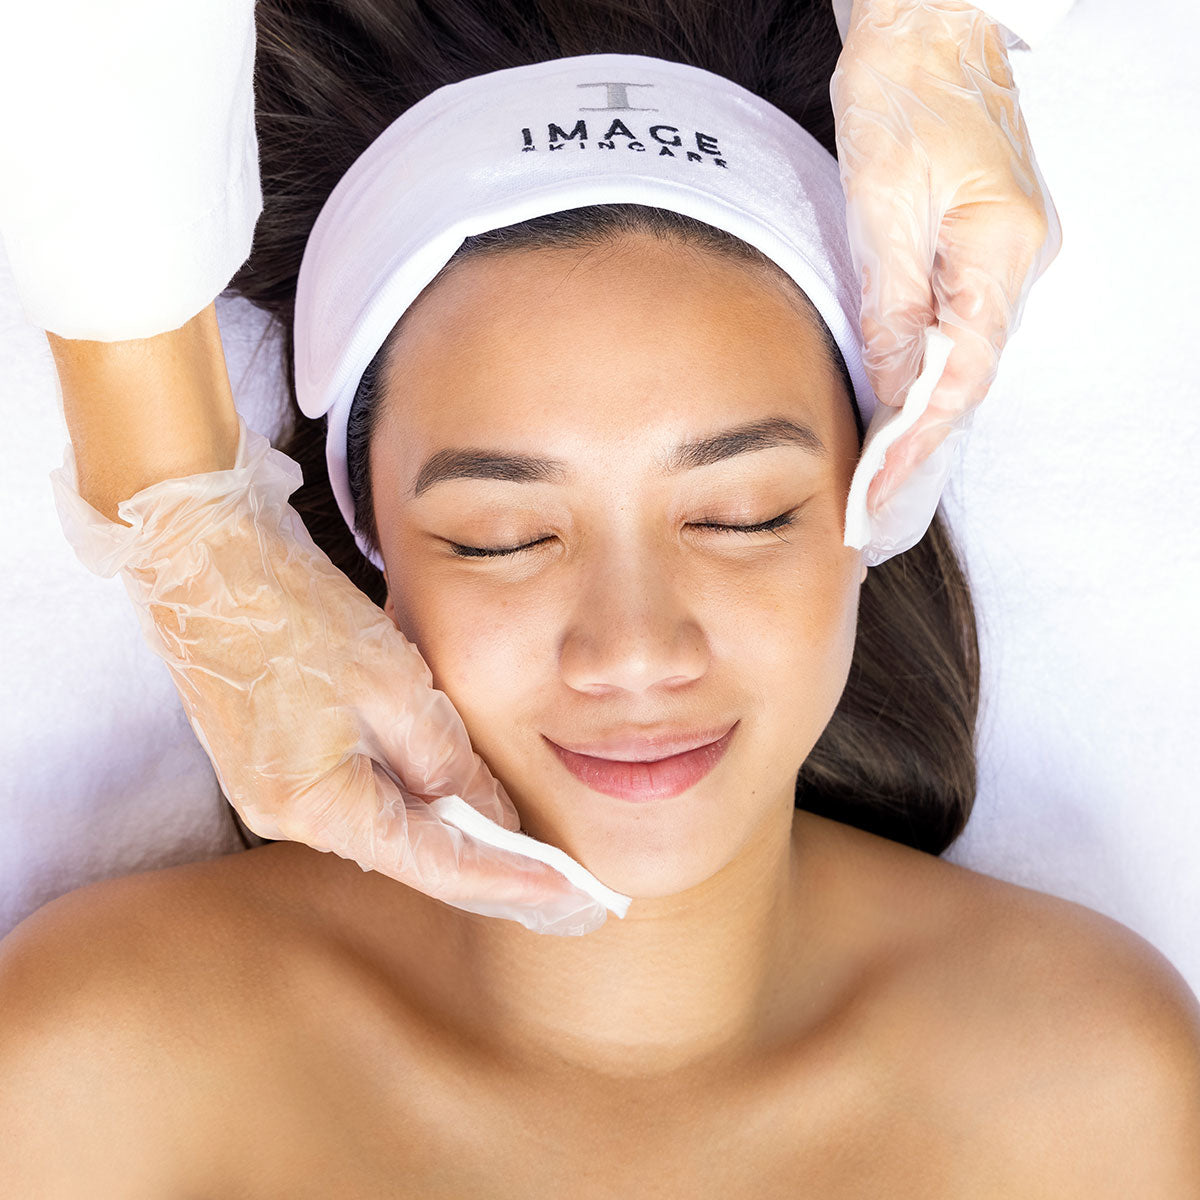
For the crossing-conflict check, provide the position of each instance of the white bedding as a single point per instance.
(1075, 500)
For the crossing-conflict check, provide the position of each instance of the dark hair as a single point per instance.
(898, 756)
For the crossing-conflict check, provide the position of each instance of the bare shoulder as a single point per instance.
(1116, 1029)
(1071, 1044)
(120, 1006)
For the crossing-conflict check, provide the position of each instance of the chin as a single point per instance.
(636, 855)
(644, 877)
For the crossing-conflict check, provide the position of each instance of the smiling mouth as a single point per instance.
(659, 779)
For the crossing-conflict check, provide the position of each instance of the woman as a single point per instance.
(793, 1005)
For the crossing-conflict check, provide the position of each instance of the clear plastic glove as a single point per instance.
(319, 716)
(949, 219)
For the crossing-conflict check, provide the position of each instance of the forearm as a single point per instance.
(146, 410)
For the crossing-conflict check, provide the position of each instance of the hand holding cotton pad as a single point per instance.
(457, 812)
(903, 518)
(319, 716)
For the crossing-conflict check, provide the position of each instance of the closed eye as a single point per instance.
(771, 526)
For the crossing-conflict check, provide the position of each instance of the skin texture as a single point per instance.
(628, 614)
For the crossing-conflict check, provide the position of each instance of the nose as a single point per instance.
(633, 628)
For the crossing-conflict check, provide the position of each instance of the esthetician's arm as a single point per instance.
(128, 201)
(319, 716)
(950, 222)
(145, 410)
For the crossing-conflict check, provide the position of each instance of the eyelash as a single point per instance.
(776, 523)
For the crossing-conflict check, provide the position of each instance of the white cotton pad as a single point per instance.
(454, 810)
(906, 516)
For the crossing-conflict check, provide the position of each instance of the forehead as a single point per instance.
(617, 335)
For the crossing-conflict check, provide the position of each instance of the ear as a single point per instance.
(388, 608)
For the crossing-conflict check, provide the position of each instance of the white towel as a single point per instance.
(123, 219)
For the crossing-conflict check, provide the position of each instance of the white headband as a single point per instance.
(504, 147)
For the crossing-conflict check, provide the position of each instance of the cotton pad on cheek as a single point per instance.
(454, 810)
(904, 518)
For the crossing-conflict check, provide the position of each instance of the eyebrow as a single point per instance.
(471, 463)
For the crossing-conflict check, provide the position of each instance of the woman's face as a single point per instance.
(628, 615)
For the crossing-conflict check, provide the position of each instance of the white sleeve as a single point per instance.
(129, 186)
(1027, 22)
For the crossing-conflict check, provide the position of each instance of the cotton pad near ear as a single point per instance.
(904, 518)
(454, 810)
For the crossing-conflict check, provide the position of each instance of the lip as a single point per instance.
(649, 747)
(641, 781)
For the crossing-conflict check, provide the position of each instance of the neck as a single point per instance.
(682, 979)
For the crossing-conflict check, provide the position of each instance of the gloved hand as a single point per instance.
(949, 219)
(319, 716)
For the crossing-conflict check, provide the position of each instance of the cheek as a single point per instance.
(474, 643)
(801, 636)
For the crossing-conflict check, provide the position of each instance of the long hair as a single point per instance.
(898, 756)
